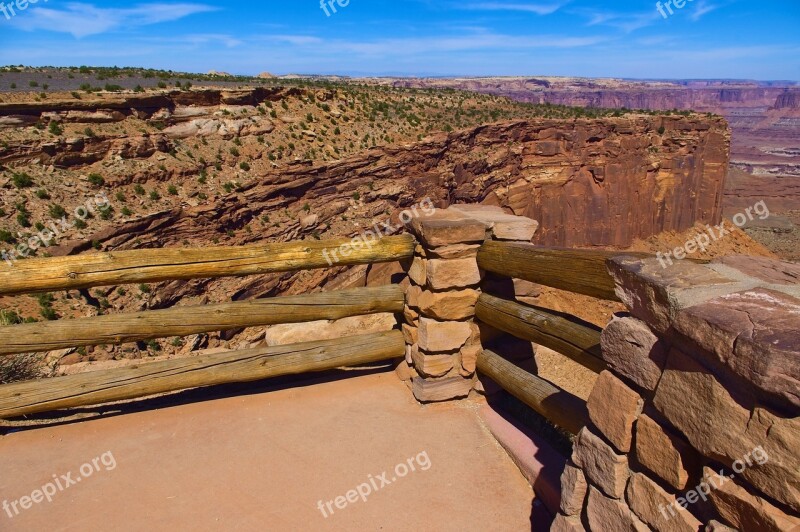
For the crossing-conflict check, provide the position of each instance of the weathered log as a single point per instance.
(582, 271)
(161, 377)
(563, 333)
(558, 406)
(154, 265)
(183, 321)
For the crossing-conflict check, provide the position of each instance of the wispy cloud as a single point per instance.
(423, 45)
(627, 22)
(82, 20)
(539, 9)
(701, 9)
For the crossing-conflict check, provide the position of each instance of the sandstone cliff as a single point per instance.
(589, 182)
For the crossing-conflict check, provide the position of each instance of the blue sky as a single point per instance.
(753, 39)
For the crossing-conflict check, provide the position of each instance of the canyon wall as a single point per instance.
(589, 182)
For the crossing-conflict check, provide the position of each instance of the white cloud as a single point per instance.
(701, 9)
(539, 9)
(627, 22)
(82, 20)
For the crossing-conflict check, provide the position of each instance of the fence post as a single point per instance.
(442, 339)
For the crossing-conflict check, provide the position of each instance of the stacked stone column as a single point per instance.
(443, 340)
(695, 425)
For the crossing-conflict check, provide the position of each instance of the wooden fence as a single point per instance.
(153, 265)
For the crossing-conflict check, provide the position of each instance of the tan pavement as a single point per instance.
(264, 462)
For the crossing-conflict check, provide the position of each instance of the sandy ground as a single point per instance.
(263, 461)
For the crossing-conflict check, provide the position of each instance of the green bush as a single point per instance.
(21, 180)
(55, 129)
(57, 211)
(96, 180)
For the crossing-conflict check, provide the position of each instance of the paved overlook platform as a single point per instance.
(263, 461)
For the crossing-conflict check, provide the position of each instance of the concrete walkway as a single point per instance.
(265, 461)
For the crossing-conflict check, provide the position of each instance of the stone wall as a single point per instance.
(442, 338)
(696, 423)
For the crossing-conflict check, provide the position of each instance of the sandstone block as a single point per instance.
(469, 358)
(658, 508)
(410, 334)
(745, 510)
(431, 365)
(613, 408)
(411, 315)
(452, 273)
(412, 296)
(631, 349)
(431, 391)
(606, 514)
(573, 490)
(562, 523)
(442, 336)
(451, 305)
(655, 294)
(602, 466)
(456, 251)
(773, 273)
(754, 335)
(444, 228)
(417, 271)
(719, 426)
(404, 371)
(503, 226)
(661, 452)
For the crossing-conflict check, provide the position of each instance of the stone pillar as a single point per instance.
(443, 340)
(696, 422)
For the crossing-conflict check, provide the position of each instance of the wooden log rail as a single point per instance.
(161, 377)
(154, 265)
(565, 334)
(582, 271)
(183, 321)
(558, 406)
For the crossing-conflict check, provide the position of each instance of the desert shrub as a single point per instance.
(96, 180)
(7, 237)
(42, 194)
(57, 211)
(55, 129)
(26, 367)
(21, 180)
(172, 190)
